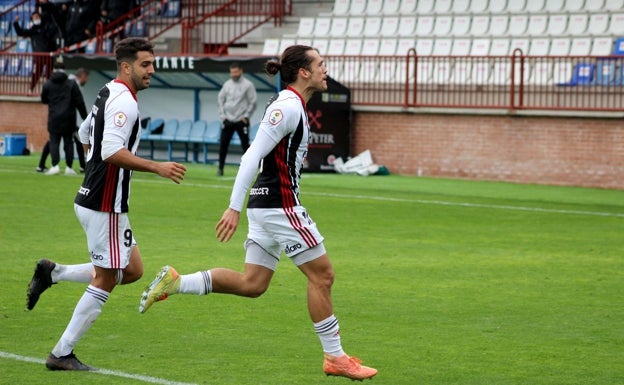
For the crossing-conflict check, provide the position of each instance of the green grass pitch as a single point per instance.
(437, 282)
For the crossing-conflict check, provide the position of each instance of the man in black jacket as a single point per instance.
(63, 98)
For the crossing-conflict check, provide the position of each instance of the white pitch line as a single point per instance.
(106, 372)
(420, 201)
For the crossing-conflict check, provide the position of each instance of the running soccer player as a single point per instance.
(110, 135)
(277, 220)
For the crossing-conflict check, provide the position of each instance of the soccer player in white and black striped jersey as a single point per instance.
(110, 135)
(277, 220)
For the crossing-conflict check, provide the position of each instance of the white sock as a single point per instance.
(86, 312)
(196, 283)
(73, 273)
(328, 332)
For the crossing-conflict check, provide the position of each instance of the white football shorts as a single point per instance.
(290, 230)
(109, 237)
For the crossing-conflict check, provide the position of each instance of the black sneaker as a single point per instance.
(219, 172)
(68, 362)
(40, 282)
(41, 169)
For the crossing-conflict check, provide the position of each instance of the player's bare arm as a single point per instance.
(226, 227)
(170, 170)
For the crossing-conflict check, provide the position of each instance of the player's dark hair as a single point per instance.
(126, 50)
(236, 65)
(293, 58)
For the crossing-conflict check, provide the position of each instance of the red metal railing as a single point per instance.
(213, 26)
(493, 82)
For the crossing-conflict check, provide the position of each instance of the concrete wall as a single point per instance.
(545, 150)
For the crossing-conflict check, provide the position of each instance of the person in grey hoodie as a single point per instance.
(63, 97)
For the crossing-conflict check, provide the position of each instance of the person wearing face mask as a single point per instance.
(42, 39)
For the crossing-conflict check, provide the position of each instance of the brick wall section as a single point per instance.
(545, 150)
(30, 118)
(563, 150)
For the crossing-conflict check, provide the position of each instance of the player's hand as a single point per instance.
(172, 170)
(226, 227)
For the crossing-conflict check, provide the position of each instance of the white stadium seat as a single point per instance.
(387, 47)
(499, 25)
(614, 5)
(442, 6)
(341, 7)
(322, 26)
(372, 26)
(370, 47)
(442, 47)
(461, 26)
(479, 6)
(578, 24)
(542, 73)
(357, 8)
(408, 7)
(407, 25)
(480, 25)
(602, 46)
(391, 7)
(353, 47)
(616, 27)
(557, 24)
(598, 23)
(374, 7)
(534, 6)
(522, 44)
(425, 7)
(355, 27)
(389, 26)
(594, 5)
(559, 46)
(518, 25)
(516, 6)
(404, 45)
(424, 47)
(271, 47)
(537, 24)
(480, 47)
(461, 47)
(338, 27)
(580, 46)
(442, 26)
(499, 47)
(461, 6)
(574, 5)
(539, 47)
(553, 5)
(498, 6)
(336, 47)
(424, 26)
(306, 26)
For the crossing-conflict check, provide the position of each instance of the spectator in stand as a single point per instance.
(63, 98)
(42, 39)
(82, 15)
(112, 10)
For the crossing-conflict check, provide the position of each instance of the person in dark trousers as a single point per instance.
(63, 98)
(237, 101)
(81, 77)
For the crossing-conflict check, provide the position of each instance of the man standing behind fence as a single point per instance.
(237, 101)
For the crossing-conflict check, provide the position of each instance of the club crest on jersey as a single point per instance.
(275, 117)
(120, 119)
